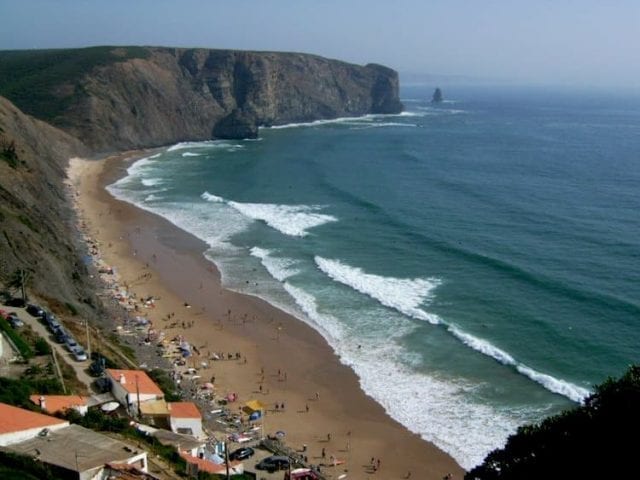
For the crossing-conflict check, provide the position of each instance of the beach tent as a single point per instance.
(253, 406)
(255, 416)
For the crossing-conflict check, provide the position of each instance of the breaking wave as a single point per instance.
(278, 268)
(293, 220)
(401, 294)
(407, 295)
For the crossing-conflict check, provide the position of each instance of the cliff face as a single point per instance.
(160, 95)
(36, 222)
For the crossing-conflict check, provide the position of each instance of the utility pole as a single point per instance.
(24, 295)
(138, 394)
(226, 460)
(55, 362)
(88, 339)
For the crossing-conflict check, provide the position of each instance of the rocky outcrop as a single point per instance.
(162, 95)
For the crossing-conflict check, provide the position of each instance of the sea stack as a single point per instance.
(437, 96)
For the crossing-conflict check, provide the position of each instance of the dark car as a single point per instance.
(97, 366)
(35, 310)
(15, 302)
(273, 463)
(103, 384)
(241, 453)
(60, 335)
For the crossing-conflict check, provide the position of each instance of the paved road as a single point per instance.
(62, 353)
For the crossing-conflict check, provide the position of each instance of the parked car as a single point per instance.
(97, 366)
(35, 310)
(15, 321)
(103, 384)
(71, 343)
(60, 335)
(273, 463)
(15, 302)
(51, 321)
(79, 354)
(241, 453)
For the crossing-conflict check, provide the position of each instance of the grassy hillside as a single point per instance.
(43, 83)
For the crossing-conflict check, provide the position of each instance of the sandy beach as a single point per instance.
(283, 361)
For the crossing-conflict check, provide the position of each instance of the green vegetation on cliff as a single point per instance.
(43, 83)
(590, 441)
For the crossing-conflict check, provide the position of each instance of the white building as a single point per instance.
(184, 417)
(132, 387)
(17, 424)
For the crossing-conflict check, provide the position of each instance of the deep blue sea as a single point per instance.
(476, 262)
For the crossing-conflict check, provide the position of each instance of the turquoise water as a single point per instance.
(477, 263)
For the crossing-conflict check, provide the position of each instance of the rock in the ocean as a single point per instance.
(437, 96)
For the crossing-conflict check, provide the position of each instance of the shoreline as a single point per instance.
(287, 361)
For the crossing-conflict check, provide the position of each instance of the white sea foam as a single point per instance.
(278, 268)
(440, 111)
(293, 220)
(373, 117)
(205, 144)
(360, 126)
(151, 182)
(553, 384)
(151, 198)
(185, 145)
(482, 346)
(212, 198)
(191, 154)
(402, 294)
(437, 409)
(328, 325)
(556, 385)
(407, 295)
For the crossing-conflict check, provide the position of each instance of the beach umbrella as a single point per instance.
(109, 407)
(280, 433)
(208, 386)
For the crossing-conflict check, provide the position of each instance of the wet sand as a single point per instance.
(286, 360)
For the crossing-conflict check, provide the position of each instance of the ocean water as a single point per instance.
(477, 262)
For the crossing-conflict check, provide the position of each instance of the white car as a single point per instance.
(79, 354)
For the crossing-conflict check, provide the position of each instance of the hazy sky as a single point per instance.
(586, 42)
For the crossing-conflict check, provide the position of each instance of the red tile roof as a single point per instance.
(208, 466)
(59, 403)
(184, 410)
(145, 384)
(14, 419)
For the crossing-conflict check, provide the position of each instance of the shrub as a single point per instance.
(22, 346)
(42, 347)
(165, 383)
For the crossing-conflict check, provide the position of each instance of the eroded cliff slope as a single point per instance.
(37, 230)
(122, 98)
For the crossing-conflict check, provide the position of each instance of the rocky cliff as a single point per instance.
(37, 230)
(104, 99)
(123, 98)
